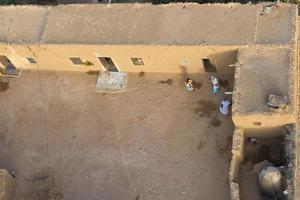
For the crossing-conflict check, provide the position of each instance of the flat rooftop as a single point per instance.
(170, 24)
(261, 72)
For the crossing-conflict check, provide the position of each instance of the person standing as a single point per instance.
(216, 86)
(224, 107)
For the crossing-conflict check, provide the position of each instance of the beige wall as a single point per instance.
(238, 145)
(266, 132)
(174, 59)
(266, 119)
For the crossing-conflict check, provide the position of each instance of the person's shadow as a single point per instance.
(184, 72)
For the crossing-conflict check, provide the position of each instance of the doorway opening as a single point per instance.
(209, 66)
(7, 68)
(108, 64)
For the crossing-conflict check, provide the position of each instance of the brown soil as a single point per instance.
(68, 142)
(205, 108)
(224, 148)
(201, 144)
(224, 83)
(4, 86)
(168, 81)
(215, 122)
(197, 85)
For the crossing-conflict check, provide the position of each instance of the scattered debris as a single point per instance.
(290, 163)
(269, 8)
(144, 152)
(253, 140)
(276, 101)
(12, 172)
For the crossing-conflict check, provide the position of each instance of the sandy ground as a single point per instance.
(155, 141)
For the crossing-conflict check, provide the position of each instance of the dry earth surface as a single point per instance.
(154, 141)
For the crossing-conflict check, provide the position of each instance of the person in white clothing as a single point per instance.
(224, 107)
(189, 85)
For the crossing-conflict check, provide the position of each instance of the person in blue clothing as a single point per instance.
(224, 107)
(216, 86)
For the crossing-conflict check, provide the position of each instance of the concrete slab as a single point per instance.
(111, 82)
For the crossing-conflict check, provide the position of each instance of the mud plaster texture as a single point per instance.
(205, 24)
(261, 72)
(155, 141)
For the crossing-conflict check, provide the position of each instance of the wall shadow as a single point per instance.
(223, 59)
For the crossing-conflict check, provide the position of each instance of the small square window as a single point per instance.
(31, 60)
(137, 61)
(76, 61)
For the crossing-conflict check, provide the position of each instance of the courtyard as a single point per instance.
(153, 141)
